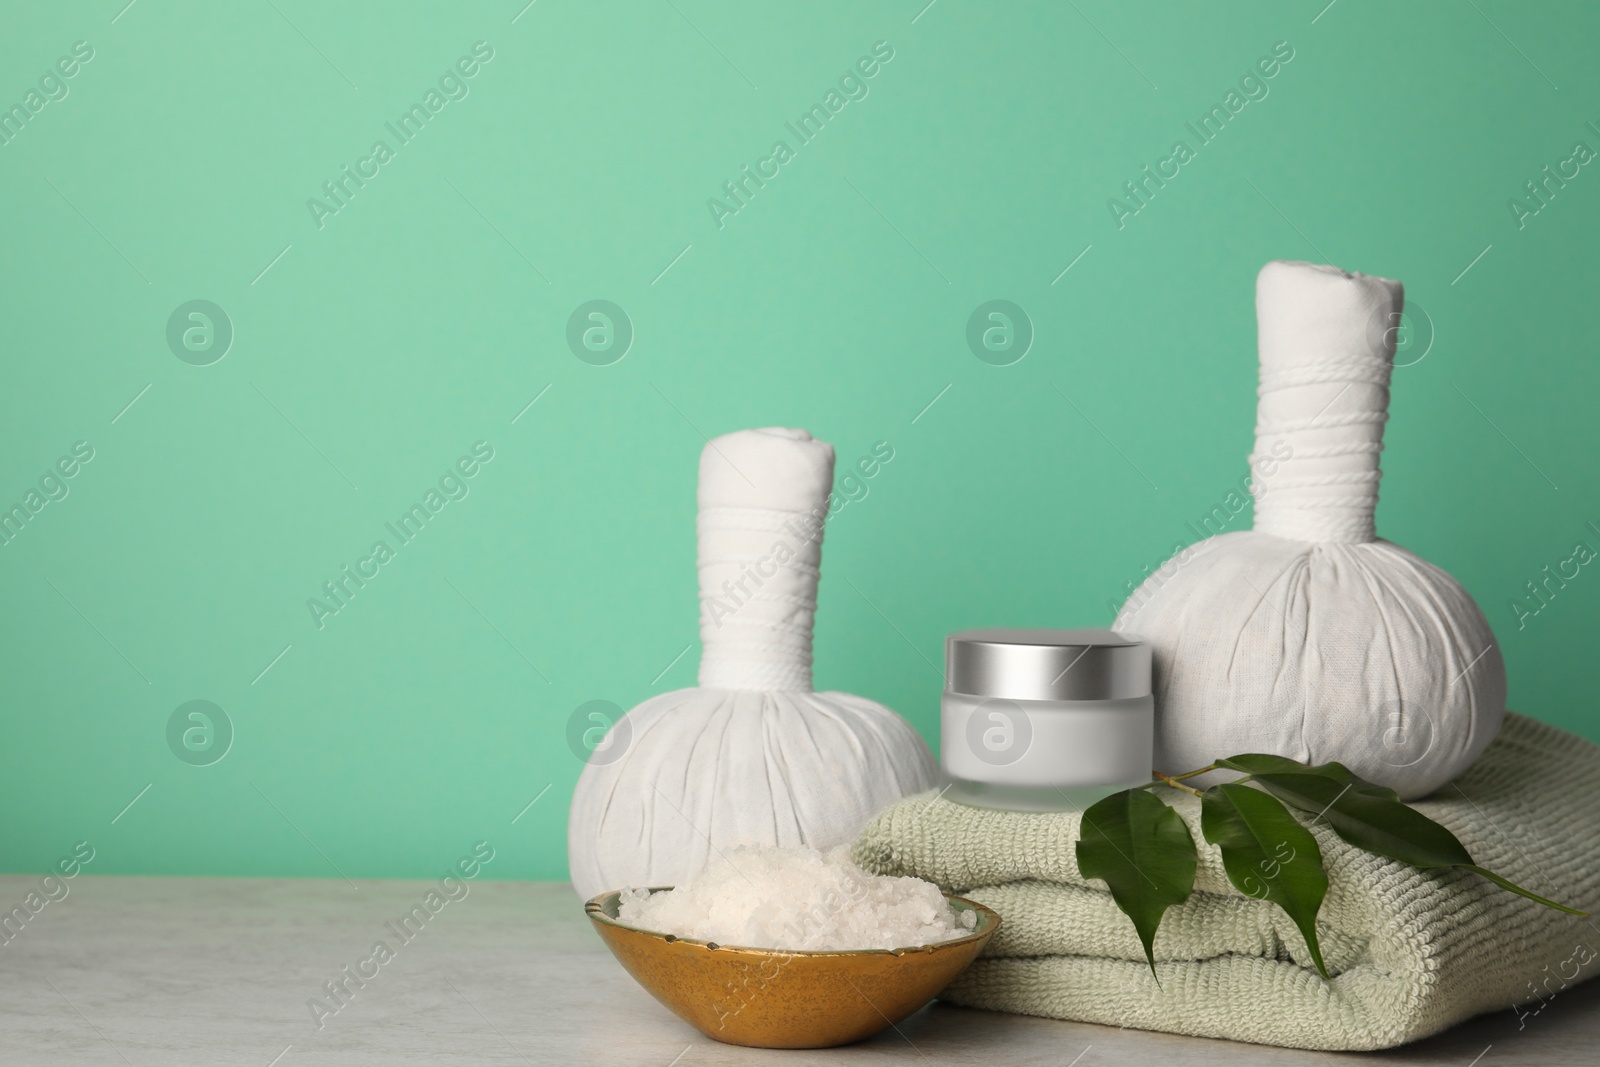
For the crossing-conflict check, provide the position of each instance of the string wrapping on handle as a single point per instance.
(763, 501)
(1327, 342)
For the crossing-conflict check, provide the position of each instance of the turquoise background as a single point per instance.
(369, 354)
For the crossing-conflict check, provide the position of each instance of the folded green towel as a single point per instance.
(1411, 952)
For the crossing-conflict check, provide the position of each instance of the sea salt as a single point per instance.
(798, 900)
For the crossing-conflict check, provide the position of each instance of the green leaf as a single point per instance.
(1267, 854)
(1262, 763)
(1521, 892)
(1370, 817)
(1143, 852)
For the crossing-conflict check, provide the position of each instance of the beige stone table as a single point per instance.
(218, 972)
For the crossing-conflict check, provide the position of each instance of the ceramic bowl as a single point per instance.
(769, 998)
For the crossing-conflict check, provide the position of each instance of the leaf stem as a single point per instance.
(1174, 779)
(1167, 779)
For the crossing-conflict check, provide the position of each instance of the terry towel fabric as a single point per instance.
(1411, 952)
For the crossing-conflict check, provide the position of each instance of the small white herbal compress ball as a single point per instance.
(752, 756)
(1307, 636)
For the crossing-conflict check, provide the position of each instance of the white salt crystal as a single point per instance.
(798, 900)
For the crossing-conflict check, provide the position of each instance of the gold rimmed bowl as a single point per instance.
(772, 998)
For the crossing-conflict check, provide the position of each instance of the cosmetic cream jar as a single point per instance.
(1045, 720)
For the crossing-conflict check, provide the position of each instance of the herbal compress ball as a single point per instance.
(752, 756)
(1308, 636)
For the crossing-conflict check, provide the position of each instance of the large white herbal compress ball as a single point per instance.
(752, 756)
(1307, 636)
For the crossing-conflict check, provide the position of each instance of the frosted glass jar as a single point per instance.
(1045, 720)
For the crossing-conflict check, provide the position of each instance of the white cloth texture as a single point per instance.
(1326, 341)
(1307, 636)
(1410, 952)
(752, 756)
(763, 498)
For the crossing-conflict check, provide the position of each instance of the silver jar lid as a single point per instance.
(1047, 664)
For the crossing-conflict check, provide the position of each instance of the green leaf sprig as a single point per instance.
(1143, 851)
